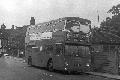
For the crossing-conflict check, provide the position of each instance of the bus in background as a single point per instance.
(61, 44)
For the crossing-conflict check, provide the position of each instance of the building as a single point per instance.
(32, 21)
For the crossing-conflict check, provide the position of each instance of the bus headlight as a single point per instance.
(66, 63)
(65, 68)
(87, 64)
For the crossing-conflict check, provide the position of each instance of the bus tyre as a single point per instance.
(50, 65)
(30, 61)
(68, 72)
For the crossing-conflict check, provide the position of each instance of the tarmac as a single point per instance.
(107, 75)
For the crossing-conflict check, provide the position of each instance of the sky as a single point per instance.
(19, 12)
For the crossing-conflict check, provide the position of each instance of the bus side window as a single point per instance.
(49, 48)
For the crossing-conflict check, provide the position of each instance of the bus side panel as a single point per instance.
(42, 59)
(59, 63)
(37, 57)
(33, 56)
(28, 52)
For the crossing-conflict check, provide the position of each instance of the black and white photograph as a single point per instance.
(59, 39)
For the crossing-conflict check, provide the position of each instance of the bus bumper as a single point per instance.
(77, 68)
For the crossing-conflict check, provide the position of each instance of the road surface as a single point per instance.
(15, 69)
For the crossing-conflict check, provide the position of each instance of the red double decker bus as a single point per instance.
(61, 44)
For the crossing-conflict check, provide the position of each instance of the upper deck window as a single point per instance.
(77, 26)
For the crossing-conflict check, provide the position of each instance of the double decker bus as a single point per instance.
(61, 44)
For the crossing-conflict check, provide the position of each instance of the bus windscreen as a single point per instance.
(78, 51)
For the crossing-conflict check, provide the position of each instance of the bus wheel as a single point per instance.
(30, 61)
(50, 65)
(68, 72)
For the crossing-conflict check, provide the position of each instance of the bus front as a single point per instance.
(77, 53)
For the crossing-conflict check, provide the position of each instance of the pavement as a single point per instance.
(107, 75)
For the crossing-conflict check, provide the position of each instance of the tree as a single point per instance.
(115, 10)
(112, 24)
(3, 26)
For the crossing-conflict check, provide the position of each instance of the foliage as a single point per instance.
(115, 10)
(112, 24)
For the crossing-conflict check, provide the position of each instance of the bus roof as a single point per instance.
(78, 19)
(67, 18)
